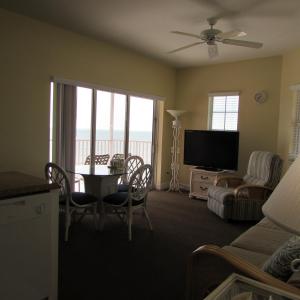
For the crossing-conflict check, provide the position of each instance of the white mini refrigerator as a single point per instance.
(29, 247)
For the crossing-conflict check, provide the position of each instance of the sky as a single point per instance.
(141, 111)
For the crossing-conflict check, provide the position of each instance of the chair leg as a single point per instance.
(129, 217)
(101, 209)
(82, 215)
(67, 226)
(95, 216)
(148, 219)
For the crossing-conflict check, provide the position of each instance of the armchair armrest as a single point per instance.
(251, 191)
(226, 263)
(228, 181)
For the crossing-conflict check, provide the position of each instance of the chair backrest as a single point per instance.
(117, 160)
(131, 164)
(56, 174)
(100, 159)
(140, 183)
(264, 168)
(118, 156)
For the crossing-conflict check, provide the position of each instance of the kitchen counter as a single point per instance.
(16, 184)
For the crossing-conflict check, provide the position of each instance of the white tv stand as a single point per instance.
(200, 180)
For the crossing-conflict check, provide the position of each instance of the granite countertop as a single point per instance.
(14, 184)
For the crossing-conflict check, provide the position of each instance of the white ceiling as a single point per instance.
(145, 25)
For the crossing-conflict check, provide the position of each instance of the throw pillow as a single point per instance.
(279, 264)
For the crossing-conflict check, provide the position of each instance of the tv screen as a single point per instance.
(215, 150)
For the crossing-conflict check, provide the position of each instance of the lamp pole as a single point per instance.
(175, 151)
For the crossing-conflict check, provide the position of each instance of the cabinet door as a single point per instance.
(28, 242)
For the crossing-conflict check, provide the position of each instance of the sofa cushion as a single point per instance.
(295, 279)
(265, 222)
(261, 239)
(257, 259)
(279, 264)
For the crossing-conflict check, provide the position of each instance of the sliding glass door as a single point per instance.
(110, 123)
(141, 128)
(83, 125)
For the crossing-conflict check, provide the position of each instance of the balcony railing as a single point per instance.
(141, 148)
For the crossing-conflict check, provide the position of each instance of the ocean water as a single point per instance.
(84, 134)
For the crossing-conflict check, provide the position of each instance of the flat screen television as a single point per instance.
(211, 150)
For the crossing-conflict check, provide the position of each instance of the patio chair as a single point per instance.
(117, 160)
(70, 203)
(100, 159)
(242, 198)
(118, 156)
(124, 203)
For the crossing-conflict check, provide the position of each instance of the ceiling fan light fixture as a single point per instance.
(212, 35)
(212, 50)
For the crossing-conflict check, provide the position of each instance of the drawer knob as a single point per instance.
(203, 188)
(204, 177)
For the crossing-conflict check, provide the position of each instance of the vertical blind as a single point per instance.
(295, 145)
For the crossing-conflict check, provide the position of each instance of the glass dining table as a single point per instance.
(99, 180)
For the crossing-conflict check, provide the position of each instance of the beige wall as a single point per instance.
(290, 76)
(258, 123)
(31, 52)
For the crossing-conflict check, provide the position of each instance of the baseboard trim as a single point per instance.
(184, 186)
(165, 186)
(162, 186)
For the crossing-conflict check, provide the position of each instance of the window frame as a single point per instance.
(294, 149)
(210, 109)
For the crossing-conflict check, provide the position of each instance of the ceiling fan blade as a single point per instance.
(230, 34)
(242, 43)
(186, 34)
(185, 47)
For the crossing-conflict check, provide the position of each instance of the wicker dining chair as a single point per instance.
(131, 164)
(71, 203)
(124, 203)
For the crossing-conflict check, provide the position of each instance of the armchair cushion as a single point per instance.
(264, 168)
(221, 194)
(229, 181)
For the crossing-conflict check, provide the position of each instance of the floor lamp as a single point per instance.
(175, 150)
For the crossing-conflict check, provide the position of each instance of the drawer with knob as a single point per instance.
(201, 180)
(204, 177)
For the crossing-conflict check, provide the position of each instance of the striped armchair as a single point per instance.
(242, 198)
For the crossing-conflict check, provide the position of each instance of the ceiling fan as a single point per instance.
(211, 36)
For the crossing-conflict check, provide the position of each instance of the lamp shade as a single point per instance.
(175, 113)
(283, 206)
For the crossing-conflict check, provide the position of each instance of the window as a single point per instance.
(90, 121)
(295, 145)
(223, 111)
